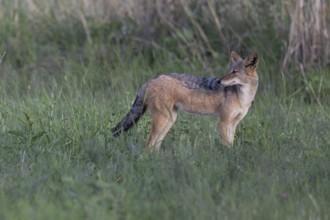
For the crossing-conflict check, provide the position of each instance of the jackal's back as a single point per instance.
(190, 93)
(207, 85)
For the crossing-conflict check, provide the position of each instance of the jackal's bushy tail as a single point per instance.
(132, 116)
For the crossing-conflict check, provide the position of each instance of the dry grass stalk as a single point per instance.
(309, 34)
(216, 19)
(197, 25)
(189, 22)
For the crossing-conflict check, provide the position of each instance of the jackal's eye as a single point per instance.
(234, 71)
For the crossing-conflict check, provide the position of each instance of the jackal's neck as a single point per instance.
(247, 92)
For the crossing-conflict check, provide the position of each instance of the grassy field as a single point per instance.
(60, 95)
(58, 160)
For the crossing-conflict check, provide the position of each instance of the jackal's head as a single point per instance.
(241, 72)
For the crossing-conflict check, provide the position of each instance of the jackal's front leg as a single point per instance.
(227, 132)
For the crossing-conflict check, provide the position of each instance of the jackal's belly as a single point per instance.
(197, 106)
(196, 101)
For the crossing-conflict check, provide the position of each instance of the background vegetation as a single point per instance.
(70, 70)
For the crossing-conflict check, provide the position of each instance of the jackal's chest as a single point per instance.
(238, 114)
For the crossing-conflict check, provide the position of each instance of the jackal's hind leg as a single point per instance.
(161, 124)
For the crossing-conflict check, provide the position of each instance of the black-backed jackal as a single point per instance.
(228, 98)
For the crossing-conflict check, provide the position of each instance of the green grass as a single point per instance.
(60, 95)
(59, 161)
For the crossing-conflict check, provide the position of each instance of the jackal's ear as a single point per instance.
(252, 61)
(235, 57)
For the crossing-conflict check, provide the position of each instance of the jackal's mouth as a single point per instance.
(231, 83)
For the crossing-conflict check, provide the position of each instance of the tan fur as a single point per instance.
(164, 96)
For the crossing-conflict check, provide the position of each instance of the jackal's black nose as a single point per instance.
(219, 81)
